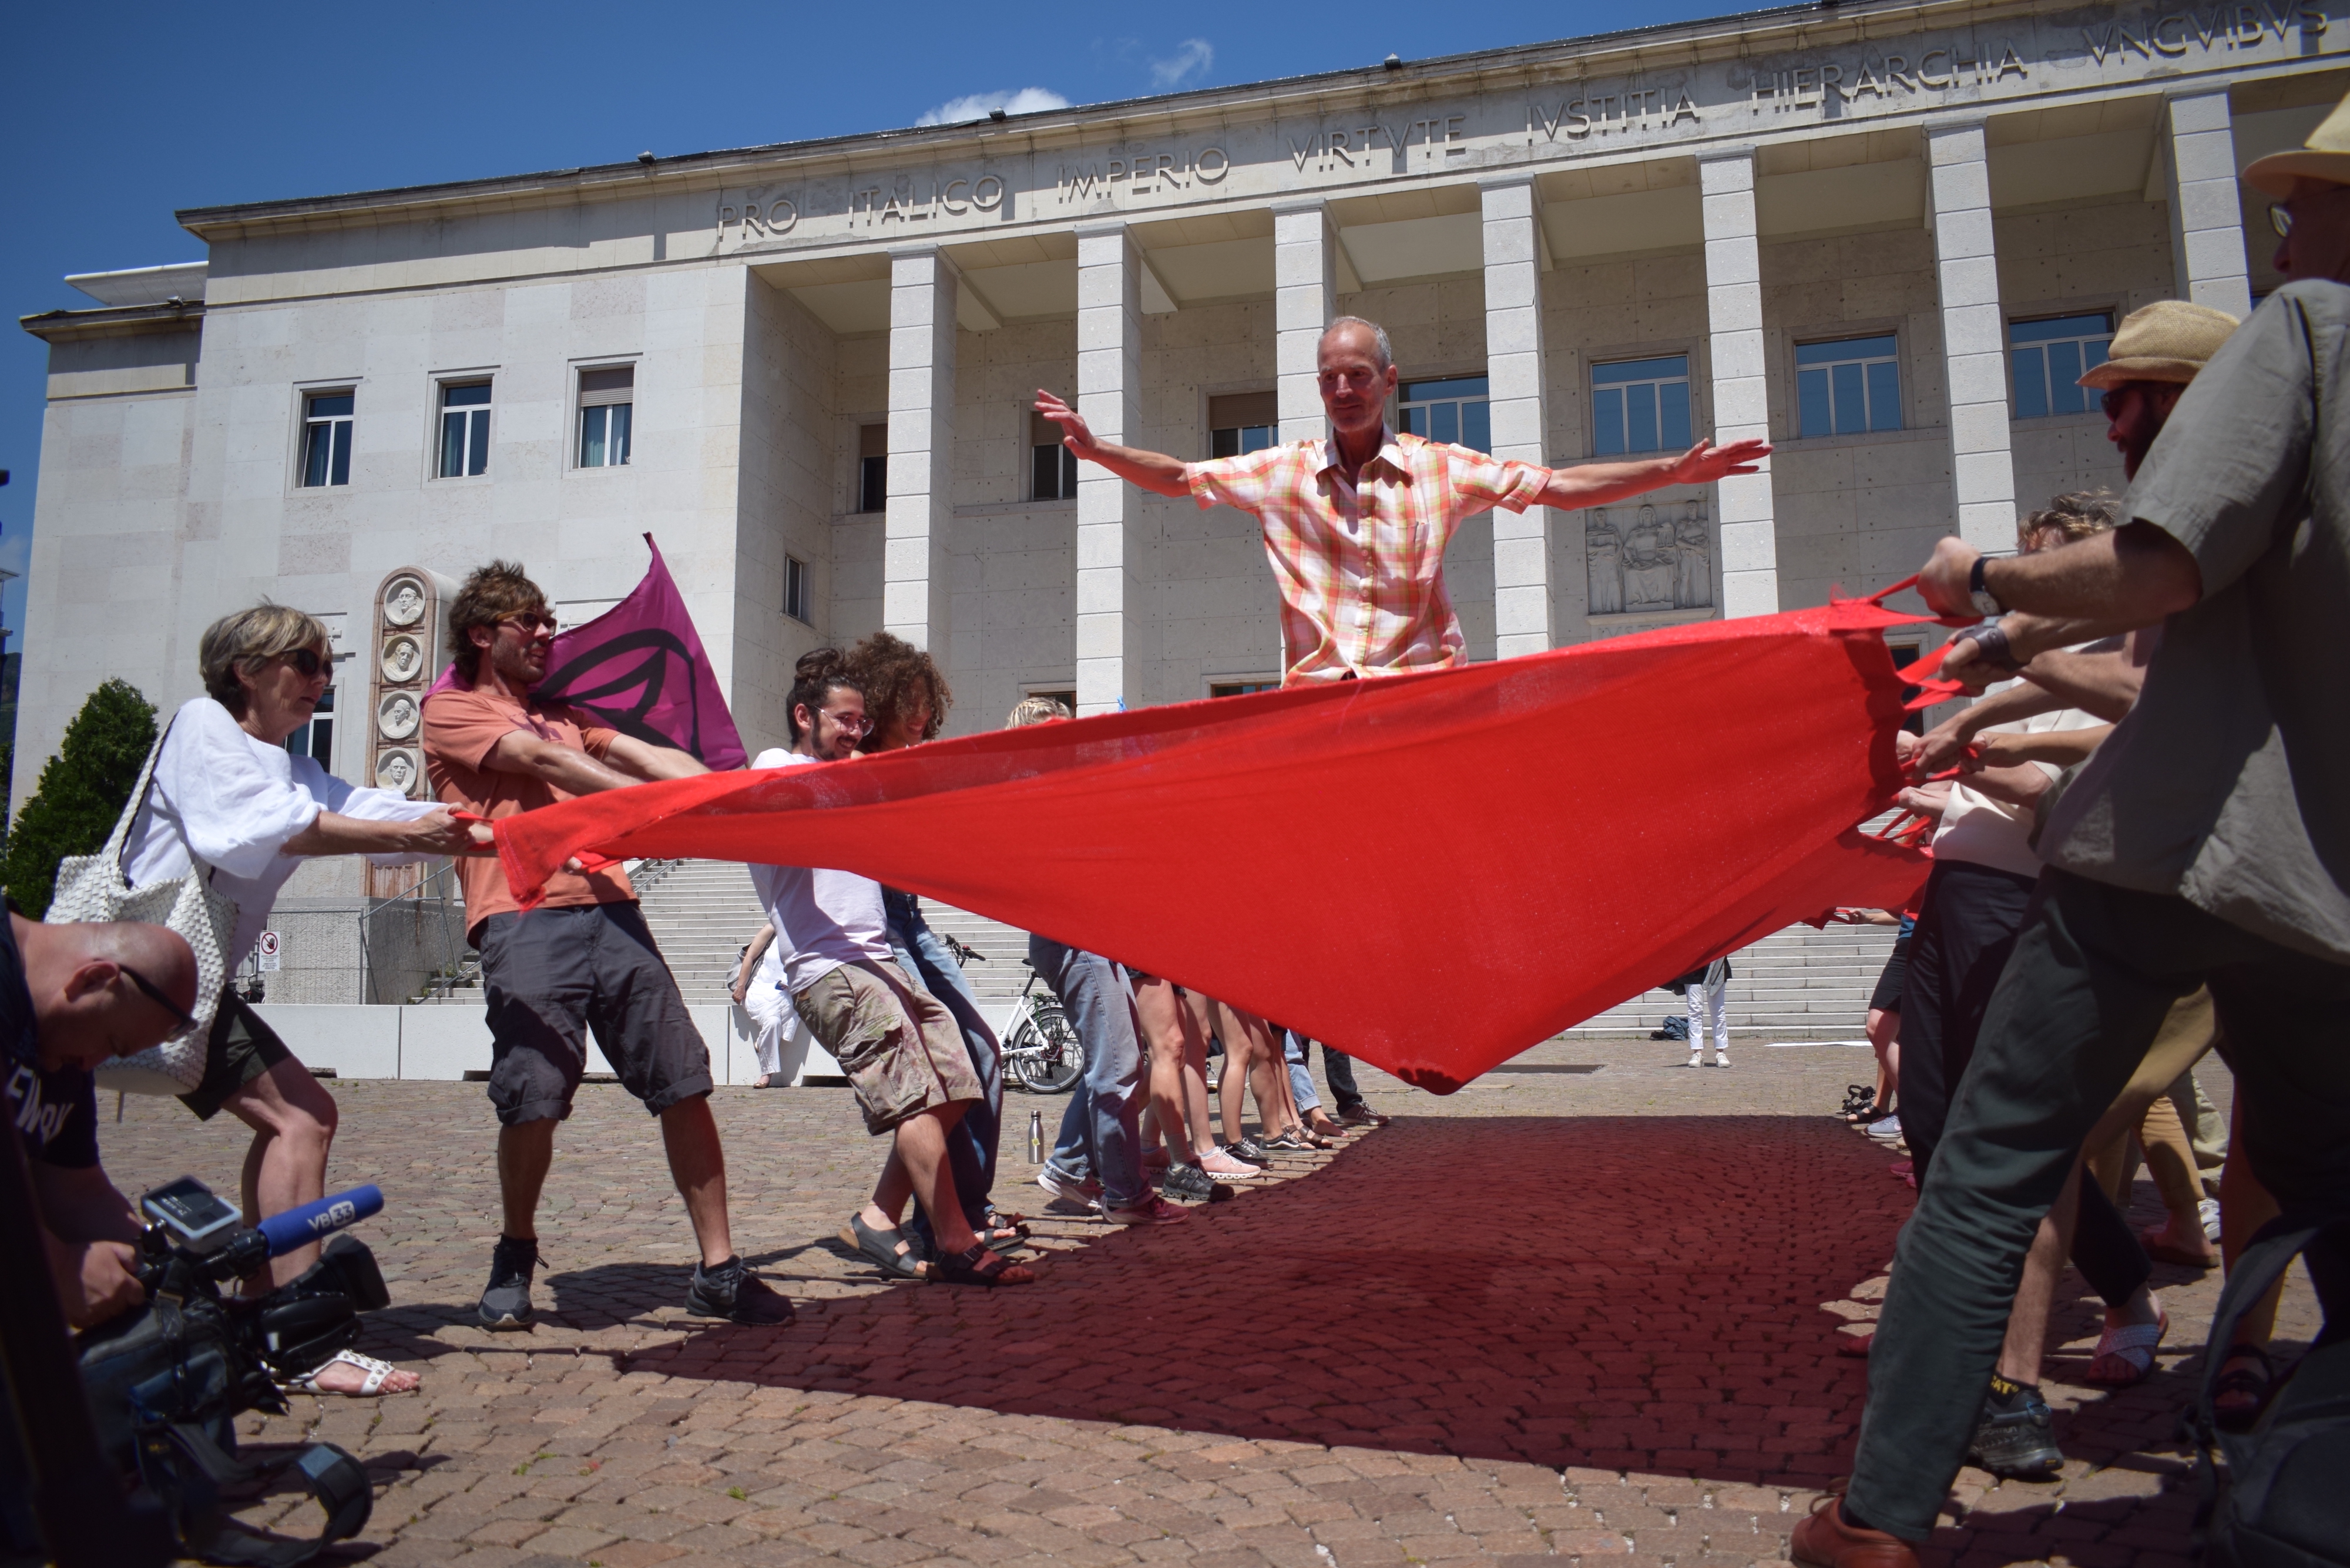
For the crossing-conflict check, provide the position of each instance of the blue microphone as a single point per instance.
(316, 1221)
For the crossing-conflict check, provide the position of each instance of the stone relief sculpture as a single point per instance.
(396, 771)
(1693, 565)
(1603, 554)
(1648, 563)
(1663, 562)
(403, 603)
(403, 660)
(395, 717)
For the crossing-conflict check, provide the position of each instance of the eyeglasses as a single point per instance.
(850, 724)
(307, 661)
(530, 621)
(2281, 219)
(155, 993)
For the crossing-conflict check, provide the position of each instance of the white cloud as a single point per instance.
(1027, 100)
(1190, 59)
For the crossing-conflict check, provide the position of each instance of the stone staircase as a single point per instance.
(1798, 984)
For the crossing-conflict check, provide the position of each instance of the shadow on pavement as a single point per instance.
(1635, 1292)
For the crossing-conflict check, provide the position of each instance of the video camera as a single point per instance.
(166, 1381)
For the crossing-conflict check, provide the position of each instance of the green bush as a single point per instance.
(83, 789)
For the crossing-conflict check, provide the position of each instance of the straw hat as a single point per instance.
(2168, 340)
(2324, 156)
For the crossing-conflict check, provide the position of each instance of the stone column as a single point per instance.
(1742, 406)
(1304, 297)
(1524, 614)
(1110, 388)
(2206, 220)
(1974, 336)
(915, 588)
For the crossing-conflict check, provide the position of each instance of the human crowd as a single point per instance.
(2141, 841)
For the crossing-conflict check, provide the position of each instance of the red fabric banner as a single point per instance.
(1432, 871)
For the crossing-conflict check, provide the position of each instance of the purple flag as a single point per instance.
(640, 668)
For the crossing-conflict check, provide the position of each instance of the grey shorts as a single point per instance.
(552, 976)
(898, 1045)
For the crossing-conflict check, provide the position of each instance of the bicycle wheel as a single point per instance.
(1058, 1062)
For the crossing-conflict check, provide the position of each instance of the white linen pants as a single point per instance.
(1709, 1002)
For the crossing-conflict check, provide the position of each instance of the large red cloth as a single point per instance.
(1432, 871)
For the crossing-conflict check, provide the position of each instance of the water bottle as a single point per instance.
(1036, 1137)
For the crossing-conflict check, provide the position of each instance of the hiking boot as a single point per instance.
(732, 1292)
(505, 1304)
(2014, 1437)
(1189, 1181)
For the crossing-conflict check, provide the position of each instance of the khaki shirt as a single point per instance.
(2228, 784)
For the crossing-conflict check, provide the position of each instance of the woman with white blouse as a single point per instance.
(226, 789)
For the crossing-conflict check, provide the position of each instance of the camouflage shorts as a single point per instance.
(898, 1044)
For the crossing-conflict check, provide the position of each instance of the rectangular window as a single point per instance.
(465, 430)
(1240, 688)
(1065, 696)
(608, 399)
(872, 468)
(1847, 388)
(327, 439)
(1052, 467)
(1457, 411)
(1242, 423)
(2049, 357)
(1640, 405)
(796, 588)
(316, 738)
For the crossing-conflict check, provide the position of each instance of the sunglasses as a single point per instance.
(530, 621)
(850, 724)
(307, 661)
(2281, 220)
(155, 993)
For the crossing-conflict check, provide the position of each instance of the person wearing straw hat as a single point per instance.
(2206, 842)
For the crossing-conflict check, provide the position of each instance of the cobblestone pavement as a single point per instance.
(1562, 1313)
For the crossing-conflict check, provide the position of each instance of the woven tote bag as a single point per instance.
(95, 887)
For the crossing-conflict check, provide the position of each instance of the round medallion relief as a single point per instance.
(403, 603)
(396, 770)
(396, 716)
(404, 659)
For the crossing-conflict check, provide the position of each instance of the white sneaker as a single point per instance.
(1067, 1188)
(2209, 1211)
(1722, 1058)
(1887, 1131)
(1697, 1059)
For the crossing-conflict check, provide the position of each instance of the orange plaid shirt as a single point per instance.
(1361, 571)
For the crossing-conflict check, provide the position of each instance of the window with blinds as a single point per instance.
(1242, 423)
(607, 403)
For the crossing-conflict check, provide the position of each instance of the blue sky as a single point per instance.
(119, 118)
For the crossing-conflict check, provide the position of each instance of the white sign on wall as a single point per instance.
(268, 951)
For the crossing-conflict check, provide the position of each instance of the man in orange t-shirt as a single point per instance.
(581, 960)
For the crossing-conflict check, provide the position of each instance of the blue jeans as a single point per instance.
(972, 1142)
(1098, 1134)
(1301, 1082)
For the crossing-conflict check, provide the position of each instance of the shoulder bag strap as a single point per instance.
(119, 839)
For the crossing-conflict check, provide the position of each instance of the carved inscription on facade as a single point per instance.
(1602, 114)
(1141, 174)
(2224, 28)
(1881, 78)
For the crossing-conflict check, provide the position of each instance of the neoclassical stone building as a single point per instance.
(1885, 235)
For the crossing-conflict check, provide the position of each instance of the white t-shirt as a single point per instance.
(1990, 832)
(235, 800)
(824, 918)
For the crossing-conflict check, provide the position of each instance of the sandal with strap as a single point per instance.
(378, 1373)
(2242, 1392)
(980, 1266)
(882, 1246)
(1004, 1221)
(2131, 1343)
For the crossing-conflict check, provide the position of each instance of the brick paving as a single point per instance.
(1559, 1315)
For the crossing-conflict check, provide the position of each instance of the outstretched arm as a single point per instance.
(1598, 483)
(2127, 578)
(1153, 470)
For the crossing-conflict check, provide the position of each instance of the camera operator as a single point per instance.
(71, 996)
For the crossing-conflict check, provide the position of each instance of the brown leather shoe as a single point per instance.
(1825, 1540)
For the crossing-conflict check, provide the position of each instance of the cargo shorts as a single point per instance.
(551, 976)
(898, 1045)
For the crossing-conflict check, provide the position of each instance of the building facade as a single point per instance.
(1885, 236)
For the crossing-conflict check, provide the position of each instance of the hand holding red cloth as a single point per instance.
(1431, 871)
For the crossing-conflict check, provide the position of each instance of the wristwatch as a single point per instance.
(1985, 602)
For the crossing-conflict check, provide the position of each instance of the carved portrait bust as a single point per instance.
(396, 771)
(404, 604)
(396, 716)
(404, 659)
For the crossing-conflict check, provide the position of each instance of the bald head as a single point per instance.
(88, 1005)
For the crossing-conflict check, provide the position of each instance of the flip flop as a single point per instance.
(2162, 1251)
(378, 1371)
(2132, 1344)
(881, 1247)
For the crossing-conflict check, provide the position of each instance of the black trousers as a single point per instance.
(2093, 974)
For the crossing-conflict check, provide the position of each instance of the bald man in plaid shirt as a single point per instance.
(1355, 526)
